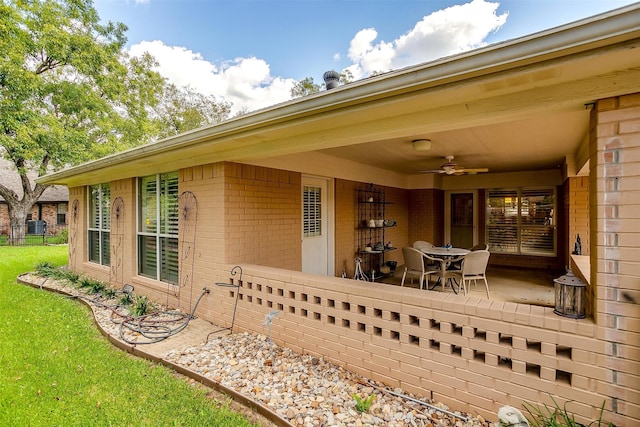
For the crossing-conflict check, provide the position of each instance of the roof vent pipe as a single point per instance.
(331, 79)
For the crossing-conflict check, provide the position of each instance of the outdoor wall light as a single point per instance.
(570, 296)
(422, 144)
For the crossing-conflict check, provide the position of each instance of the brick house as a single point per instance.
(554, 116)
(51, 207)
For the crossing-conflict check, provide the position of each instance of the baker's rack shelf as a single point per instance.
(371, 226)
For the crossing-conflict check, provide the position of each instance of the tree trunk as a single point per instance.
(18, 209)
(18, 219)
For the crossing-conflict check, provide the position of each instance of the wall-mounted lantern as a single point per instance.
(570, 296)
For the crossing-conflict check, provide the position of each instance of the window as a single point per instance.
(61, 217)
(521, 221)
(158, 227)
(99, 223)
(312, 211)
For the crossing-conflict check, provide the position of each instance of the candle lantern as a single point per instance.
(570, 296)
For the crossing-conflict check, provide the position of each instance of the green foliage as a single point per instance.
(47, 269)
(59, 239)
(183, 109)
(54, 359)
(68, 91)
(97, 288)
(554, 416)
(304, 87)
(109, 293)
(85, 283)
(363, 405)
(141, 306)
(125, 300)
(71, 276)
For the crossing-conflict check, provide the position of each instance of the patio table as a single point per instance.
(446, 256)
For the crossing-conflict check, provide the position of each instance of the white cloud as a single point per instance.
(245, 82)
(248, 84)
(442, 33)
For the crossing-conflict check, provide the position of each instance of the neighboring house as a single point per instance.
(51, 207)
(554, 116)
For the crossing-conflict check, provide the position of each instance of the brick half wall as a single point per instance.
(474, 355)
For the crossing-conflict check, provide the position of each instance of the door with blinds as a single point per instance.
(316, 226)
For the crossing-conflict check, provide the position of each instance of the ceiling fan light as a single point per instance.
(421, 144)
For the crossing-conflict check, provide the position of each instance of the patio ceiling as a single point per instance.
(519, 105)
(538, 142)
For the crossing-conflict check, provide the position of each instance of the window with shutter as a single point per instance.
(312, 211)
(521, 221)
(158, 227)
(99, 223)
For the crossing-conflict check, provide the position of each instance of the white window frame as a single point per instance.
(103, 229)
(160, 238)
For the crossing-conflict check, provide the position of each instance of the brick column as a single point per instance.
(615, 245)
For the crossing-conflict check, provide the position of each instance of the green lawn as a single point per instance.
(56, 369)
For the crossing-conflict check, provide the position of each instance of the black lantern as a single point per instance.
(570, 296)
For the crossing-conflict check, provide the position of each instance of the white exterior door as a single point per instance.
(317, 226)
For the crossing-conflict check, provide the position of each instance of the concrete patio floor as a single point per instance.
(505, 284)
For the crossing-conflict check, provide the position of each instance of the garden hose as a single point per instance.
(156, 330)
(153, 329)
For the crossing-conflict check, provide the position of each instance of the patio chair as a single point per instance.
(414, 265)
(429, 262)
(474, 267)
(421, 244)
(480, 247)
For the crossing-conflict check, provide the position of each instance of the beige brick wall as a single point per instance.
(202, 245)
(473, 354)
(426, 216)
(577, 199)
(614, 196)
(123, 232)
(263, 211)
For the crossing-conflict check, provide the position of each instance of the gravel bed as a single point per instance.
(306, 391)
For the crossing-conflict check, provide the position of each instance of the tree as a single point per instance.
(307, 86)
(183, 109)
(304, 87)
(68, 92)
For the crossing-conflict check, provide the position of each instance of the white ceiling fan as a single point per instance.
(451, 168)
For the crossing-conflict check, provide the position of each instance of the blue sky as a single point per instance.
(250, 52)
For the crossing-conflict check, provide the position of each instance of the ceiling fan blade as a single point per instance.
(432, 171)
(472, 170)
